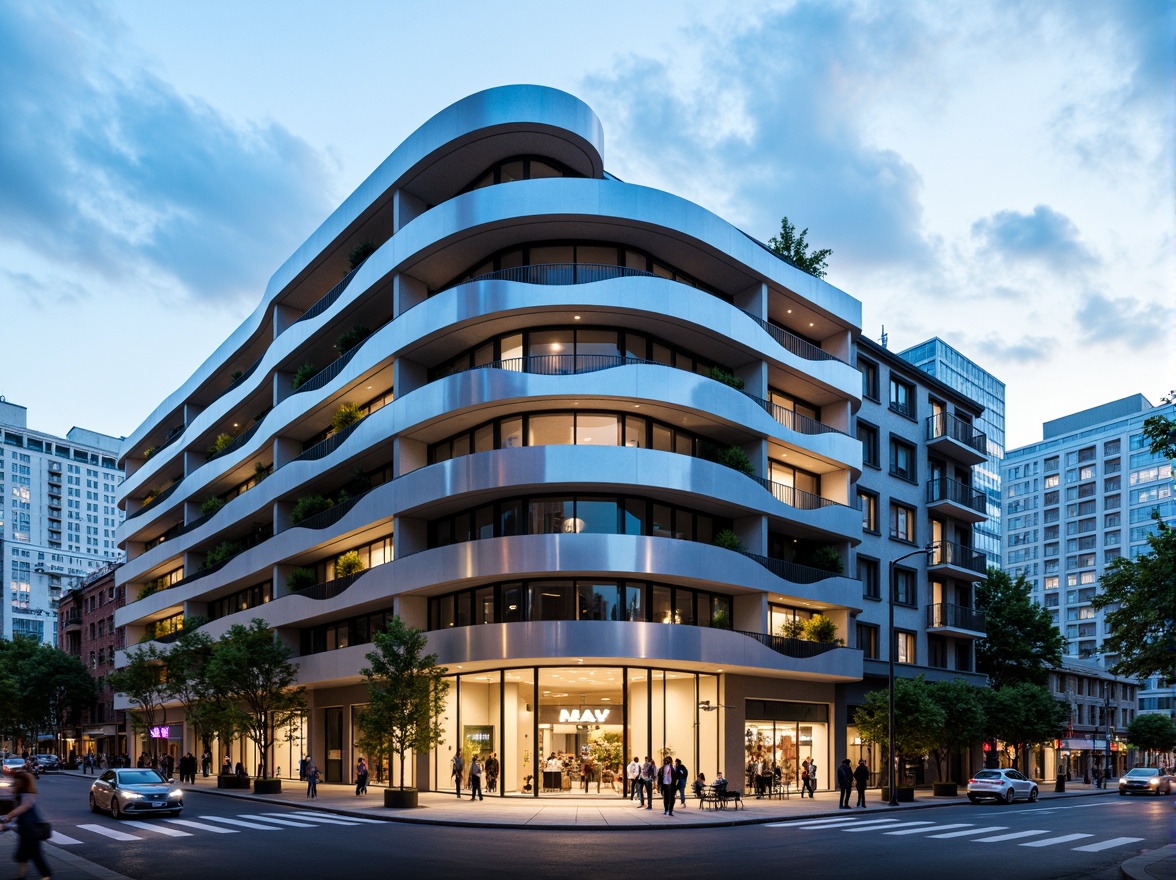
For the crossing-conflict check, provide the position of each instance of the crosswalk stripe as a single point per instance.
(239, 822)
(281, 821)
(970, 831)
(1107, 844)
(1053, 841)
(932, 828)
(311, 813)
(63, 840)
(112, 833)
(188, 823)
(830, 823)
(1013, 836)
(899, 825)
(322, 820)
(158, 829)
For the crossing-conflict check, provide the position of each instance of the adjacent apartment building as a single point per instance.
(599, 443)
(1077, 500)
(58, 521)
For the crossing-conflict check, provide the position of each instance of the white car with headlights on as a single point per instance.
(136, 791)
(1145, 780)
(1001, 784)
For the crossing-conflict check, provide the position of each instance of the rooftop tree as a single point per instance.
(794, 249)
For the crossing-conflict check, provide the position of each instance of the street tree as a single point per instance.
(251, 667)
(1024, 715)
(188, 681)
(918, 720)
(1160, 432)
(1140, 597)
(1152, 733)
(406, 690)
(144, 682)
(964, 720)
(1022, 642)
(56, 688)
(795, 249)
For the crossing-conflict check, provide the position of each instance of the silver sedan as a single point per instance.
(135, 790)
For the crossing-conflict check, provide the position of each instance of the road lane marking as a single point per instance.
(309, 813)
(829, 823)
(158, 829)
(112, 833)
(971, 831)
(1053, 841)
(932, 828)
(899, 825)
(188, 823)
(63, 840)
(1013, 836)
(280, 821)
(322, 820)
(1107, 844)
(242, 824)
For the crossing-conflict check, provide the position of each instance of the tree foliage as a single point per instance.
(144, 682)
(1152, 733)
(795, 249)
(187, 678)
(42, 689)
(1022, 642)
(1024, 714)
(1140, 597)
(1160, 432)
(407, 692)
(918, 719)
(964, 720)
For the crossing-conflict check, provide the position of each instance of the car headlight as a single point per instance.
(131, 795)
(175, 793)
(1122, 780)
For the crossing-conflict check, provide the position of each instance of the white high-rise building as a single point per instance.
(59, 517)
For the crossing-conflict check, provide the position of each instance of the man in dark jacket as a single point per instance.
(844, 784)
(861, 777)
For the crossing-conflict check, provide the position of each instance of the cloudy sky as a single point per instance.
(999, 174)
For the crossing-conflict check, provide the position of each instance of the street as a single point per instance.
(231, 838)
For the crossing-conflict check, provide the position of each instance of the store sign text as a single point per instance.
(575, 716)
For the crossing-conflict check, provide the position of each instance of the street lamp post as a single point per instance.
(1106, 743)
(925, 551)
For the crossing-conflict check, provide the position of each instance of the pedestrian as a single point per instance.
(226, 767)
(475, 779)
(29, 824)
(302, 767)
(681, 775)
(633, 771)
(668, 779)
(206, 763)
(648, 775)
(456, 772)
(312, 779)
(844, 784)
(861, 778)
(493, 768)
(361, 777)
(808, 777)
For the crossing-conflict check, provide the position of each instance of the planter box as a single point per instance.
(267, 786)
(239, 782)
(946, 789)
(397, 799)
(905, 795)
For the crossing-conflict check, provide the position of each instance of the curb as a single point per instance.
(1159, 864)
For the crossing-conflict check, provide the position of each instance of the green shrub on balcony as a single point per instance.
(151, 495)
(348, 339)
(347, 414)
(307, 506)
(719, 374)
(735, 458)
(222, 552)
(260, 471)
(219, 445)
(148, 452)
(211, 505)
(301, 578)
(827, 559)
(361, 252)
(728, 540)
(148, 589)
(303, 375)
(348, 564)
(820, 628)
(721, 619)
(792, 629)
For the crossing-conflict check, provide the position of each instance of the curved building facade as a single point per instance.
(595, 440)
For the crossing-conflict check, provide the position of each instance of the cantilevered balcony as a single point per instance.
(955, 499)
(956, 620)
(958, 561)
(951, 436)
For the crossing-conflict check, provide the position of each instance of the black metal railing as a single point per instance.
(329, 372)
(330, 589)
(945, 614)
(325, 447)
(155, 501)
(793, 343)
(195, 576)
(951, 553)
(794, 497)
(791, 419)
(237, 442)
(799, 648)
(950, 426)
(330, 516)
(791, 571)
(245, 375)
(558, 274)
(328, 298)
(944, 489)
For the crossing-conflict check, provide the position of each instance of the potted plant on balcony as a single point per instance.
(820, 628)
(347, 414)
(719, 374)
(307, 506)
(301, 578)
(348, 564)
(727, 539)
(359, 253)
(406, 691)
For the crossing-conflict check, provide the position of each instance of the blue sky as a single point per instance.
(999, 174)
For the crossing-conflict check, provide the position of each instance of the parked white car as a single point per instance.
(1003, 784)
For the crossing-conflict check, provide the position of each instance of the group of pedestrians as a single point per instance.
(847, 778)
(487, 769)
(670, 779)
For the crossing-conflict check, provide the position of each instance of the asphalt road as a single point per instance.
(227, 839)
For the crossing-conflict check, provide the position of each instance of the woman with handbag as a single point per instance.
(31, 828)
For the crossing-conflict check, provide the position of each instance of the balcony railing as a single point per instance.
(237, 442)
(944, 489)
(330, 516)
(155, 501)
(325, 447)
(559, 274)
(794, 497)
(245, 375)
(945, 614)
(329, 372)
(950, 553)
(791, 571)
(947, 425)
(795, 344)
(799, 648)
(328, 298)
(791, 419)
(330, 589)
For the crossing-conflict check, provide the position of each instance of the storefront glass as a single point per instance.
(780, 735)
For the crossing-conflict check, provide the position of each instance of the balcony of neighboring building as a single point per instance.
(958, 561)
(71, 621)
(956, 500)
(947, 618)
(951, 436)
